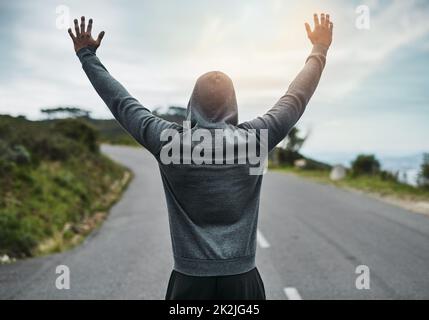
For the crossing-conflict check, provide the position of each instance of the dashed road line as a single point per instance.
(262, 242)
(292, 294)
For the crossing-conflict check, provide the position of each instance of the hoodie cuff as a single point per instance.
(318, 52)
(319, 49)
(85, 53)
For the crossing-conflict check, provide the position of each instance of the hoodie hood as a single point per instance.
(213, 101)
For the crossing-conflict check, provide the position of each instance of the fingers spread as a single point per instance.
(76, 28)
(316, 20)
(82, 24)
(89, 26)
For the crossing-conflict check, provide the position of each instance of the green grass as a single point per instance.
(41, 201)
(371, 184)
(49, 202)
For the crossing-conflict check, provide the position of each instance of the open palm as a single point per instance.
(322, 32)
(83, 37)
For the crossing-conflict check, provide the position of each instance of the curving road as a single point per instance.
(311, 239)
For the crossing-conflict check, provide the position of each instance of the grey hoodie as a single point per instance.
(213, 208)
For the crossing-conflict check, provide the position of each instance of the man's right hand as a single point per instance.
(322, 33)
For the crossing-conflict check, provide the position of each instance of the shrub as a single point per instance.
(21, 155)
(78, 131)
(388, 176)
(365, 164)
(5, 162)
(287, 157)
(48, 146)
(424, 171)
(10, 156)
(18, 235)
(23, 138)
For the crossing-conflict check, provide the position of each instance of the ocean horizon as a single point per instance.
(406, 166)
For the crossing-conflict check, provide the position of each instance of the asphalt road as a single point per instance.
(311, 239)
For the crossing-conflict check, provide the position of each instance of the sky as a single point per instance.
(373, 96)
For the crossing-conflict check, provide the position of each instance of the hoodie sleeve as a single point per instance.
(138, 121)
(289, 108)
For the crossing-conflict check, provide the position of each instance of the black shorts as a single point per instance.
(244, 286)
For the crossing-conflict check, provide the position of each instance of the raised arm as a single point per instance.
(289, 108)
(136, 119)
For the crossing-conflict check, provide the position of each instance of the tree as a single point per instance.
(65, 112)
(365, 164)
(172, 113)
(289, 148)
(424, 171)
(293, 141)
(79, 131)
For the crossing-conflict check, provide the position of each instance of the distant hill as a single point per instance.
(172, 113)
(110, 131)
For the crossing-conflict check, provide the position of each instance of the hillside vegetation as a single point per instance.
(109, 130)
(55, 185)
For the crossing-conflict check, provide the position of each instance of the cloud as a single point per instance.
(158, 49)
(358, 54)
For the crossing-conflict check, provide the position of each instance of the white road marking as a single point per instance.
(292, 294)
(263, 243)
